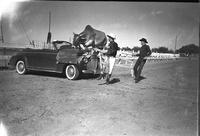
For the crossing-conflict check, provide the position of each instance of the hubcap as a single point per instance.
(71, 71)
(21, 67)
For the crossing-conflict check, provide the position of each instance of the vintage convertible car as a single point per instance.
(63, 57)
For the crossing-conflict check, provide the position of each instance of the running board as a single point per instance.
(45, 70)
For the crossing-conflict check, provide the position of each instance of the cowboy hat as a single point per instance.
(112, 36)
(143, 39)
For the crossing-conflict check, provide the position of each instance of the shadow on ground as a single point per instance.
(114, 80)
(88, 76)
(141, 78)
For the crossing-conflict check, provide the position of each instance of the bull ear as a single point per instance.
(74, 33)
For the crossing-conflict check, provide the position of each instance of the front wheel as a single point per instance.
(20, 67)
(72, 72)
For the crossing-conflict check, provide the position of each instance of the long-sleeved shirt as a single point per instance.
(144, 51)
(112, 50)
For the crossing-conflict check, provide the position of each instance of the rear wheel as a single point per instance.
(72, 72)
(21, 67)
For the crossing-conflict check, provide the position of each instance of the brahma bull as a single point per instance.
(90, 37)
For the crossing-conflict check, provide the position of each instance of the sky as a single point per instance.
(159, 23)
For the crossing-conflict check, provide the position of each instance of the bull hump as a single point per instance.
(88, 27)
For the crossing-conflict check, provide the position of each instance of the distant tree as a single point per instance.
(170, 51)
(154, 49)
(163, 50)
(136, 49)
(189, 49)
(126, 48)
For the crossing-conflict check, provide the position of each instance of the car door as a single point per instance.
(34, 59)
(43, 59)
(48, 59)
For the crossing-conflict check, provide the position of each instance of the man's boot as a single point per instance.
(135, 74)
(100, 77)
(104, 75)
(108, 78)
(137, 78)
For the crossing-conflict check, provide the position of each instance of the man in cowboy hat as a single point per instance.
(111, 53)
(144, 52)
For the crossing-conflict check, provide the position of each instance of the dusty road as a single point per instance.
(163, 104)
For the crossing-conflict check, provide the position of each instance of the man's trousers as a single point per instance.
(138, 67)
(111, 63)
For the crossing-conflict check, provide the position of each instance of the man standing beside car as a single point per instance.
(144, 52)
(111, 53)
(103, 62)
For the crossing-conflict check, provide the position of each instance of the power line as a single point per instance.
(49, 21)
(2, 38)
(24, 30)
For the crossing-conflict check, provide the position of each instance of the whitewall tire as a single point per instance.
(21, 67)
(71, 72)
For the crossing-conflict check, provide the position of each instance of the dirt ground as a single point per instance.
(46, 104)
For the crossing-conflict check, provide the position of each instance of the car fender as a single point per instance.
(13, 60)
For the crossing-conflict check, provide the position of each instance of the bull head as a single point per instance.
(78, 39)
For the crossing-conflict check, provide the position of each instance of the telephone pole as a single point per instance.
(49, 33)
(2, 38)
(175, 45)
(2, 41)
(49, 21)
